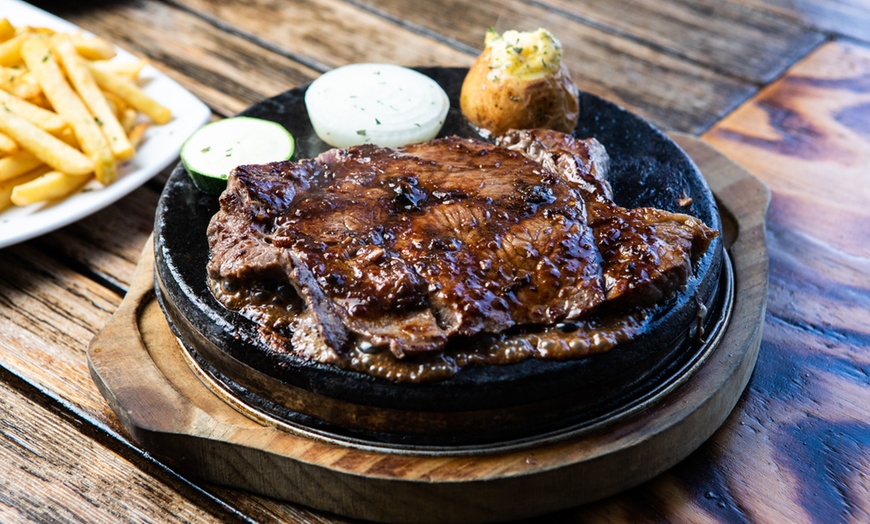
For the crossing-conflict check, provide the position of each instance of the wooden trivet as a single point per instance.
(140, 369)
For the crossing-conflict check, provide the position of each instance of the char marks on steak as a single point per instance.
(410, 248)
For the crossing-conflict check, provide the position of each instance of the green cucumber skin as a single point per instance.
(215, 185)
(208, 184)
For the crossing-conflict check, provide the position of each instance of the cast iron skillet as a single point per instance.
(480, 404)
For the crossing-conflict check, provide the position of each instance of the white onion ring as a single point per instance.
(382, 104)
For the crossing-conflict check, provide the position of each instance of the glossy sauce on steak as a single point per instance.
(646, 253)
(409, 263)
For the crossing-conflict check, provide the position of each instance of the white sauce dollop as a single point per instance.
(381, 104)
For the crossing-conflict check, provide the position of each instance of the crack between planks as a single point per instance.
(265, 44)
(415, 28)
(81, 268)
(309, 61)
(829, 37)
(97, 431)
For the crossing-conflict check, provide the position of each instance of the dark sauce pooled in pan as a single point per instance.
(275, 312)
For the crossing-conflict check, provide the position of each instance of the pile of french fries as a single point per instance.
(68, 113)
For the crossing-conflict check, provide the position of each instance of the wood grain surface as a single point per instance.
(780, 86)
(843, 17)
(55, 473)
(806, 136)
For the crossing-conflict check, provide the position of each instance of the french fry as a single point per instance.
(7, 30)
(68, 112)
(68, 135)
(115, 103)
(90, 93)
(9, 77)
(18, 81)
(42, 63)
(129, 117)
(36, 30)
(137, 132)
(17, 164)
(43, 118)
(50, 186)
(132, 94)
(92, 47)
(7, 145)
(45, 146)
(128, 69)
(7, 186)
(10, 50)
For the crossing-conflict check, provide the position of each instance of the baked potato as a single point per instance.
(520, 82)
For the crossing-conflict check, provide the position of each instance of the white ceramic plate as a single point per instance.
(159, 147)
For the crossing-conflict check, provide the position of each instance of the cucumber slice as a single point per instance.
(215, 149)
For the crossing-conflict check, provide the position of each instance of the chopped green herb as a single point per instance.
(361, 132)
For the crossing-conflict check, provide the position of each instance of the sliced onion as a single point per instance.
(381, 104)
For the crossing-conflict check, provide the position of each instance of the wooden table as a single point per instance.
(781, 87)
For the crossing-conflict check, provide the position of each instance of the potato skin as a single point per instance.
(497, 101)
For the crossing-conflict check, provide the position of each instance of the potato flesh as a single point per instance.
(519, 82)
(528, 55)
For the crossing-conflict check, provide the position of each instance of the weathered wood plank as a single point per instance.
(50, 472)
(48, 312)
(806, 136)
(746, 43)
(843, 17)
(674, 93)
(264, 509)
(334, 33)
(107, 243)
(226, 71)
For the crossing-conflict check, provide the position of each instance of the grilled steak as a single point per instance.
(646, 253)
(411, 248)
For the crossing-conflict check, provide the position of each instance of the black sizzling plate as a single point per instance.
(648, 169)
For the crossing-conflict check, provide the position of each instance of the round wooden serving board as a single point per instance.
(140, 369)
